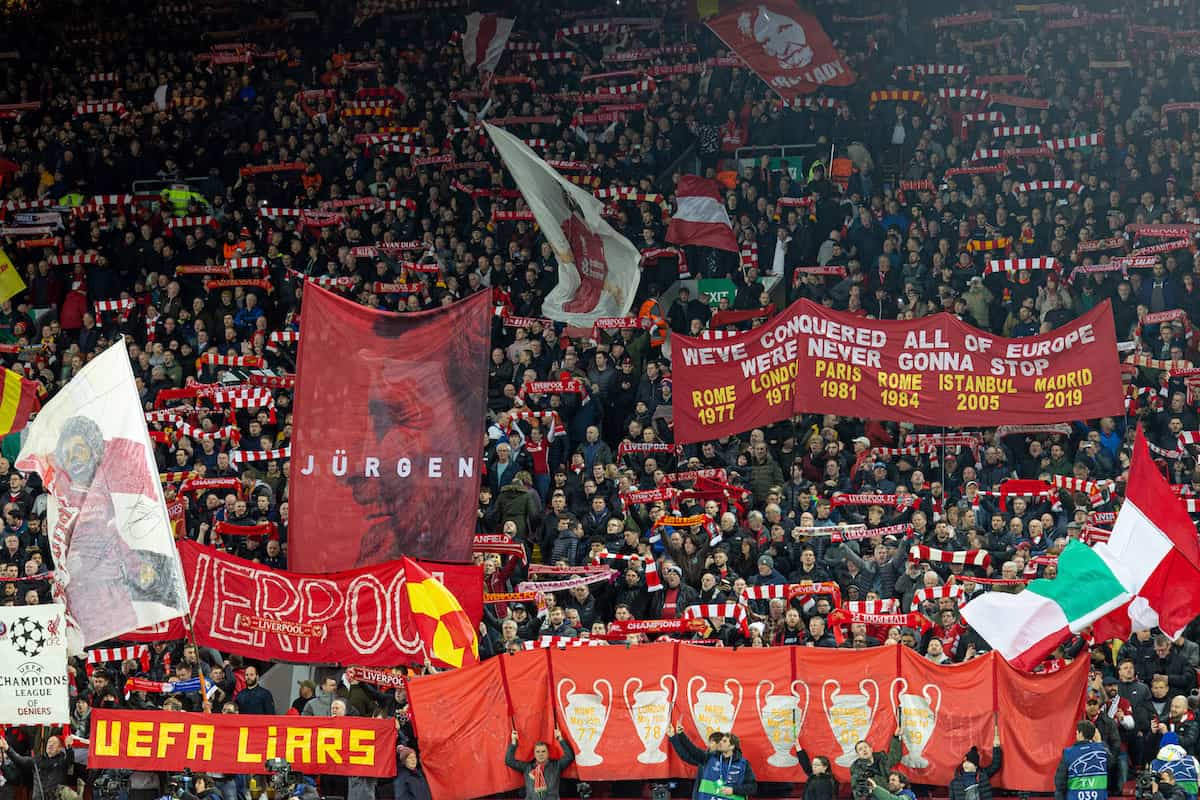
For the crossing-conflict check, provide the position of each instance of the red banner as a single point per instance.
(785, 46)
(239, 744)
(616, 710)
(933, 371)
(387, 452)
(352, 617)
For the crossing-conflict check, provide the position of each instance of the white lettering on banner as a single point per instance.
(339, 465)
(858, 356)
(1085, 334)
(702, 356)
(939, 362)
(369, 612)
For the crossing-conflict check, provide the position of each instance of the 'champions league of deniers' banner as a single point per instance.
(33, 679)
(932, 371)
(240, 744)
(615, 710)
(387, 451)
(355, 617)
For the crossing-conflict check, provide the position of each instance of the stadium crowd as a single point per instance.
(149, 143)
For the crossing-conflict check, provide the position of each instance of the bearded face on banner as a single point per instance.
(781, 37)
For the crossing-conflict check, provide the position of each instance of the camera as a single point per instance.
(283, 779)
(1144, 788)
(584, 790)
(110, 783)
(181, 784)
(660, 791)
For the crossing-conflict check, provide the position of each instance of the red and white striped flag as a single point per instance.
(701, 218)
(975, 558)
(485, 40)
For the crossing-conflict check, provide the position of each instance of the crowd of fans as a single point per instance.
(164, 180)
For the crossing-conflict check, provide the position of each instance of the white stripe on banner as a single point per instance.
(697, 208)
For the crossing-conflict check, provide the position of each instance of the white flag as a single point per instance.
(485, 40)
(115, 563)
(598, 269)
(34, 688)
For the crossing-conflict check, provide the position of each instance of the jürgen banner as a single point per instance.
(785, 46)
(932, 371)
(387, 451)
(239, 744)
(350, 617)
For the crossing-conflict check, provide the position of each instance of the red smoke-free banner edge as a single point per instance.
(387, 451)
(610, 707)
(932, 371)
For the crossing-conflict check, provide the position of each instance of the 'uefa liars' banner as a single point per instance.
(33, 677)
(932, 371)
(355, 617)
(616, 711)
(785, 46)
(240, 744)
(387, 451)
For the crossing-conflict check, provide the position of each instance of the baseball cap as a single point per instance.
(862, 440)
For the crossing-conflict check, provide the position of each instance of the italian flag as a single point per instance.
(1147, 575)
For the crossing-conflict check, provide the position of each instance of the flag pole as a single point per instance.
(205, 703)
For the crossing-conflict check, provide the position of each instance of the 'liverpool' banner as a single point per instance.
(785, 46)
(931, 371)
(353, 617)
(33, 651)
(240, 744)
(387, 451)
(616, 711)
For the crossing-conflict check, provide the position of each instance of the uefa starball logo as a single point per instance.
(29, 636)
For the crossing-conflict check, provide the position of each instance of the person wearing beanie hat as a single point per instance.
(973, 781)
(410, 782)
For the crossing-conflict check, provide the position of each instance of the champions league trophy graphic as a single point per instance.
(713, 711)
(782, 716)
(918, 715)
(850, 715)
(586, 716)
(650, 711)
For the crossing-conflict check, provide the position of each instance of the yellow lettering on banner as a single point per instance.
(362, 748)
(1067, 380)
(108, 738)
(272, 737)
(714, 405)
(329, 746)
(297, 744)
(140, 736)
(838, 370)
(976, 384)
(166, 736)
(243, 754)
(200, 741)
(905, 381)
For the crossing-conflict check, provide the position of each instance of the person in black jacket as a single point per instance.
(51, 771)
(410, 782)
(972, 775)
(821, 785)
(254, 699)
(723, 771)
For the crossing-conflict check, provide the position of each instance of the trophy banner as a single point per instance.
(616, 710)
(614, 705)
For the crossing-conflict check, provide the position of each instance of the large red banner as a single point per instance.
(931, 371)
(355, 617)
(387, 450)
(616, 711)
(239, 744)
(785, 46)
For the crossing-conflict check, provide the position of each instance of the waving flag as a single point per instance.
(1157, 554)
(438, 618)
(785, 46)
(11, 282)
(1146, 575)
(598, 269)
(115, 562)
(485, 40)
(18, 399)
(701, 218)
